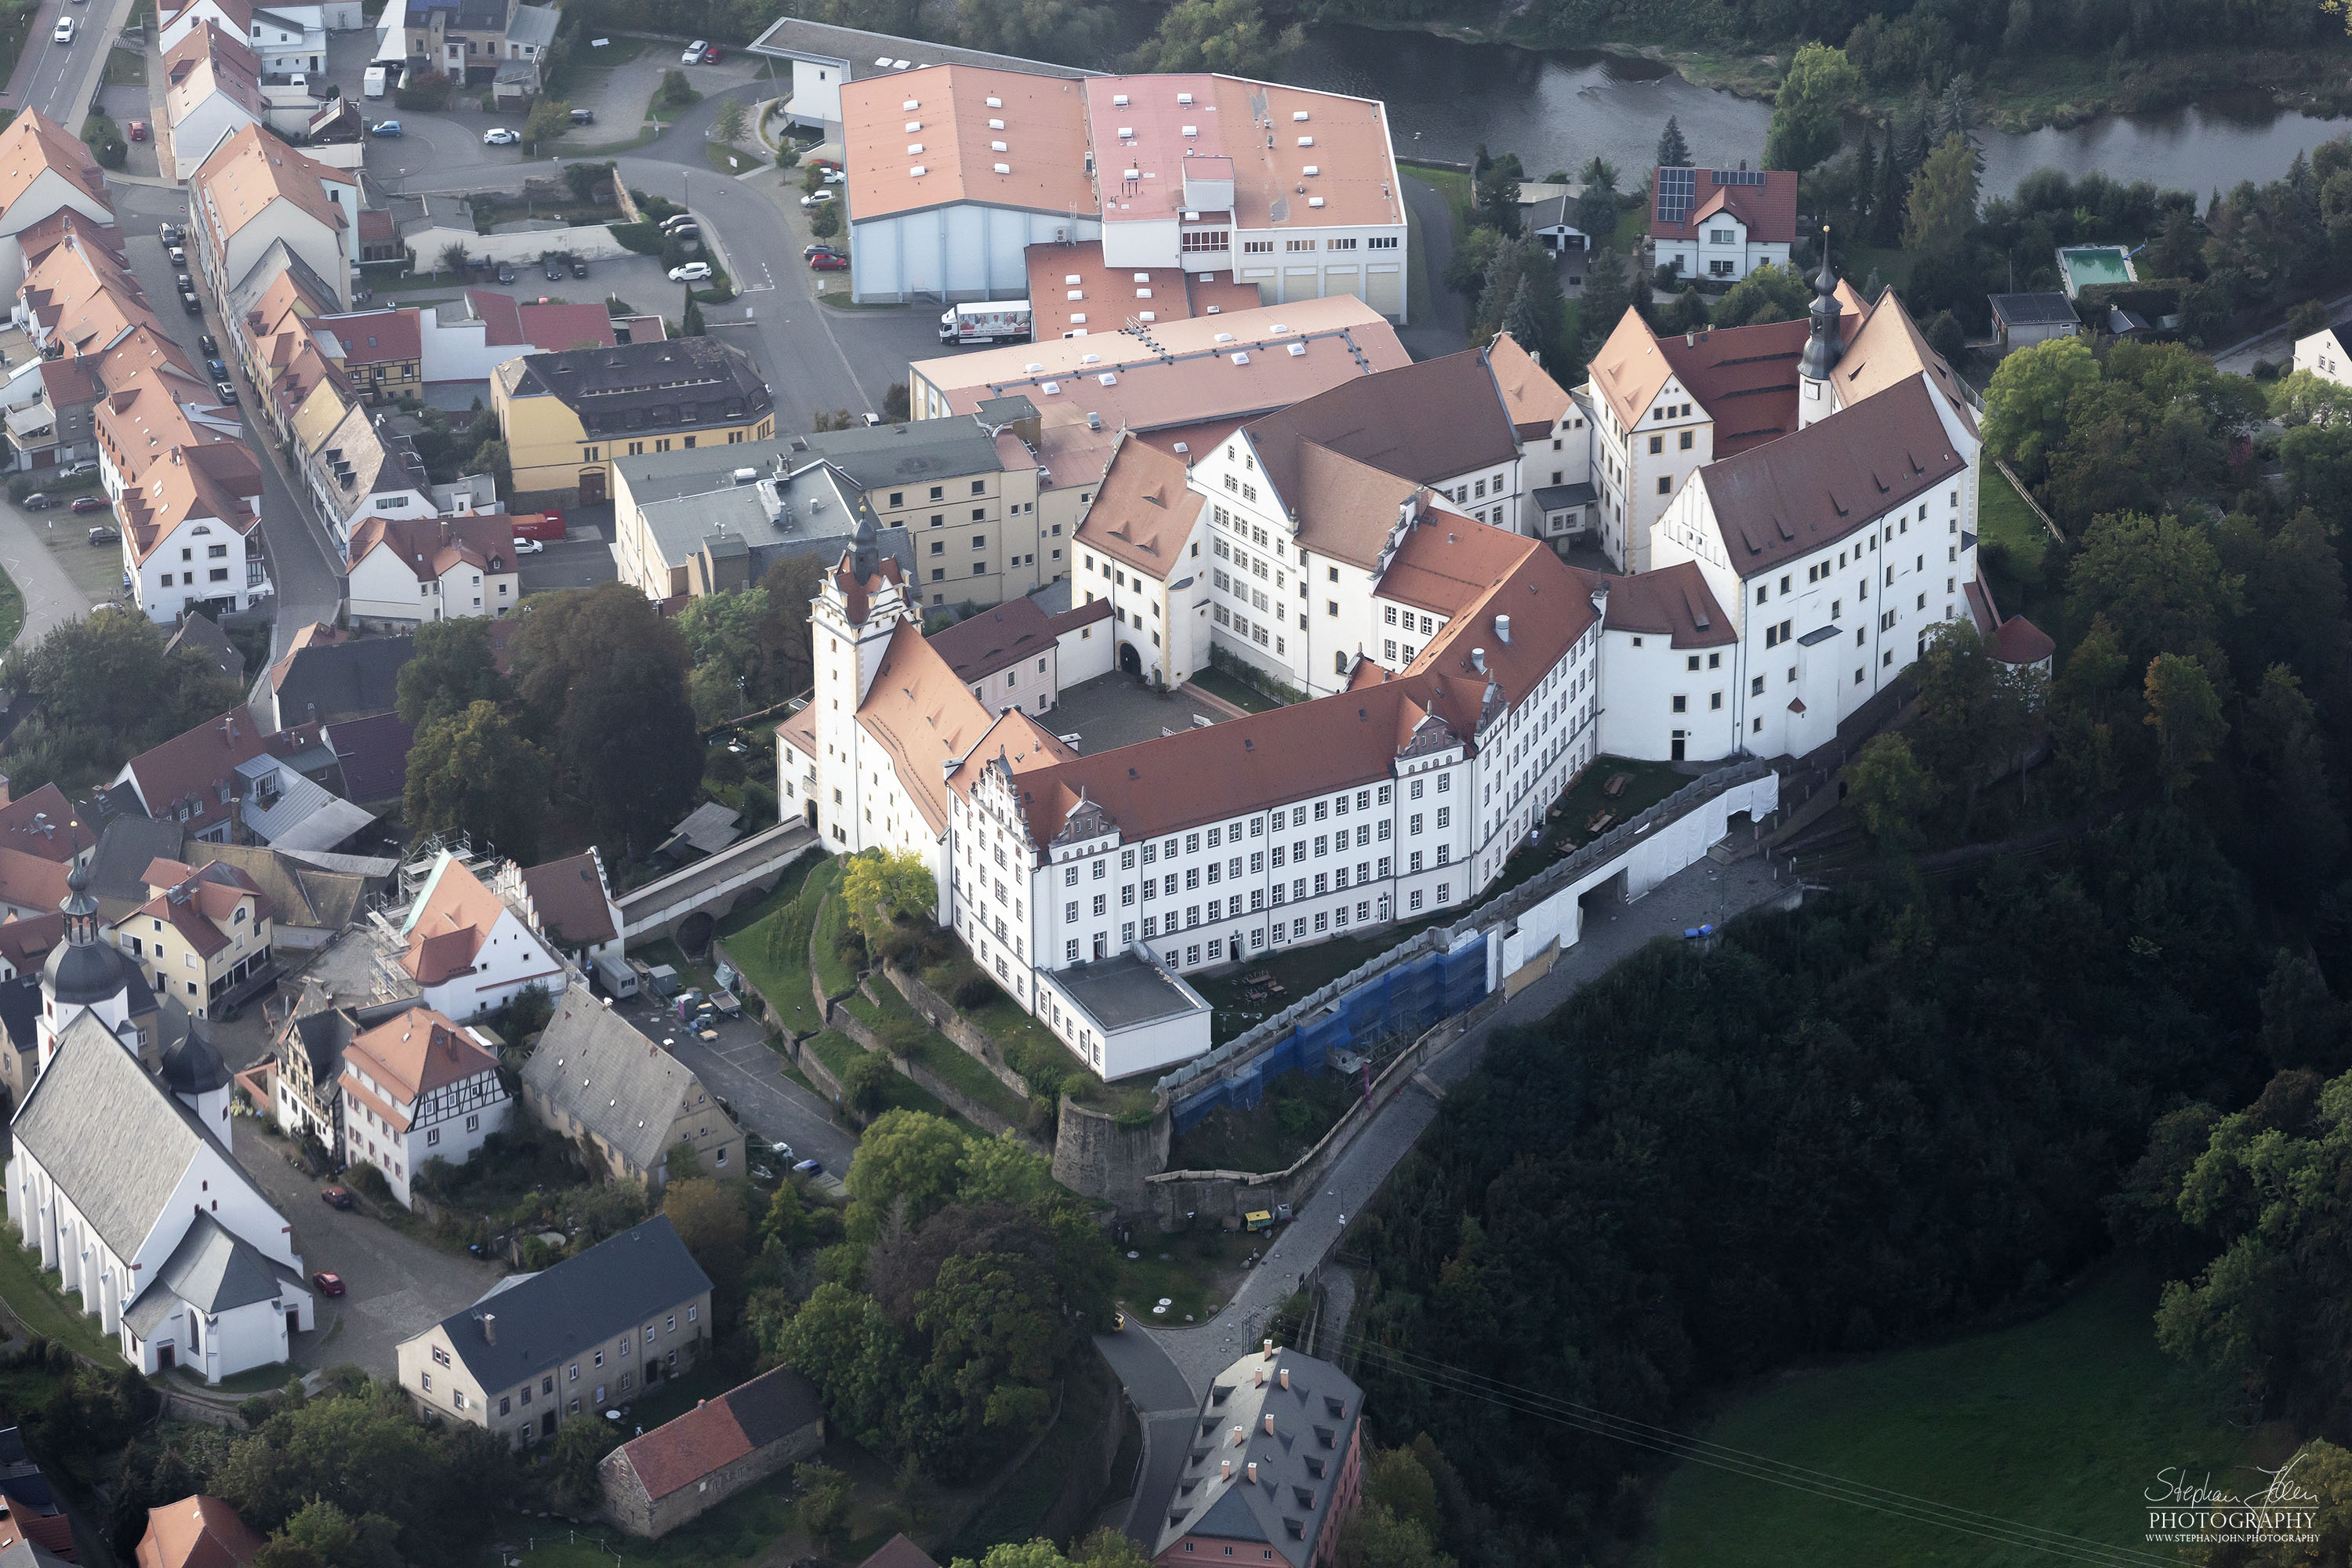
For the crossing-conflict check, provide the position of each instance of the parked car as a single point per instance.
(527, 547)
(169, 233)
(816, 198)
(578, 268)
(104, 535)
(692, 272)
(177, 255)
(218, 370)
(834, 177)
(809, 1168)
(684, 231)
(810, 252)
(39, 500)
(65, 30)
(329, 1284)
(711, 56)
(337, 1198)
(185, 284)
(89, 503)
(386, 128)
(137, 128)
(76, 470)
(555, 269)
(692, 54)
(584, 116)
(208, 345)
(224, 391)
(781, 1151)
(190, 303)
(506, 273)
(831, 261)
(499, 136)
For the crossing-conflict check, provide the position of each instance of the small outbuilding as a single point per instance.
(672, 1474)
(2021, 320)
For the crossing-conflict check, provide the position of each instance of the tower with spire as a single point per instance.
(85, 973)
(1816, 398)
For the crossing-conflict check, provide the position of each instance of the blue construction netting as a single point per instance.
(1408, 999)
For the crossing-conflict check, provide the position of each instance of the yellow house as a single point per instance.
(567, 415)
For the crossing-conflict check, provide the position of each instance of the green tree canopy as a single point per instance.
(2027, 400)
(1808, 113)
(1769, 293)
(452, 667)
(473, 770)
(548, 121)
(1674, 152)
(2186, 717)
(1943, 205)
(1605, 298)
(103, 690)
(883, 886)
(906, 1156)
(1890, 794)
(711, 1221)
(1228, 36)
(2157, 582)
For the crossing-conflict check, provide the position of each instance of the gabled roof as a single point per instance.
(1887, 349)
(375, 337)
(1672, 602)
(555, 327)
(431, 547)
(569, 902)
(196, 766)
(197, 1532)
(373, 752)
(961, 113)
(34, 145)
(213, 1271)
(718, 1432)
(1531, 398)
(51, 837)
(199, 903)
(200, 635)
(677, 382)
(416, 1052)
(559, 1312)
(1423, 422)
(250, 171)
(1241, 1481)
(1765, 202)
(451, 919)
(590, 1064)
(1342, 507)
(205, 61)
(1449, 565)
(995, 638)
(300, 896)
(1744, 377)
(220, 483)
(111, 1137)
(1143, 511)
(1793, 496)
(922, 716)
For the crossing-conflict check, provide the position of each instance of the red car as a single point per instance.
(711, 56)
(828, 263)
(138, 129)
(91, 503)
(337, 1198)
(328, 1284)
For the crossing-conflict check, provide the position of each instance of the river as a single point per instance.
(1558, 108)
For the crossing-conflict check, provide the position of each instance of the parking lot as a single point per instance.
(742, 1069)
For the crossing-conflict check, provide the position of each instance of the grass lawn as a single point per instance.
(1238, 692)
(40, 1303)
(733, 161)
(1018, 1510)
(836, 1051)
(1454, 184)
(771, 948)
(1297, 1109)
(1190, 1269)
(2059, 1424)
(745, 1526)
(2015, 569)
(787, 889)
(252, 1380)
(125, 66)
(834, 972)
(12, 610)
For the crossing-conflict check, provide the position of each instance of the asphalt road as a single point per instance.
(62, 78)
(740, 1069)
(1166, 1408)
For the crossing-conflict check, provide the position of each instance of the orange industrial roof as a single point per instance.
(943, 134)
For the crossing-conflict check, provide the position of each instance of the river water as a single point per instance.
(1558, 108)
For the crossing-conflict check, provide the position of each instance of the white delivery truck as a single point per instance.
(373, 83)
(985, 322)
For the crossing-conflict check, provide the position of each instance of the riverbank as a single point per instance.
(2052, 91)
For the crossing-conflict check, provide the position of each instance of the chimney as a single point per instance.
(1253, 1472)
(491, 1327)
(1690, 340)
(1478, 659)
(1269, 1423)
(1260, 1382)
(1269, 1349)
(1503, 627)
(1225, 1471)
(1285, 1387)
(1601, 598)
(1240, 1432)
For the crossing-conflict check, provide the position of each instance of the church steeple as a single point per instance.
(81, 906)
(1822, 346)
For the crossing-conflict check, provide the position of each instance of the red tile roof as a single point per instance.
(553, 327)
(500, 317)
(568, 897)
(26, 942)
(197, 1532)
(450, 925)
(376, 337)
(1672, 601)
(196, 766)
(55, 840)
(1770, 210)
(414, 1052)
(1143, 511)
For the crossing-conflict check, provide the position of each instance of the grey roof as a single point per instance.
(709, 827)
(200, 633)
(871, 458)
(532, 25)
(480, 16)
(306, 824)
(193, 1067)
(20, 1012)
(308, 897)
(27, 1552)
(1126, 989)
(128, 846)
(677, 383)
(858, 54)
(110, 1135)
(2049, 310)
(814, 508)
(1297, 1464)
(341, 680)
(322, 1035)
(373, 752)
(591, 1065)
(1559, 498)
(81, 973)
(559, 1312)
(211, 1271)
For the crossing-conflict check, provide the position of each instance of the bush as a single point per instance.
(368, 1180)
(2265, 371)
(257, 1409)
(430, 90)
(104, 138)
(974, 992)
(644, 238)
(675, 92)
(827, 221)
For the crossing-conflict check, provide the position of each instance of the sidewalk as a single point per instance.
(50, 595)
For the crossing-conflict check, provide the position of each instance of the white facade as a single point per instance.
(2322, 354)
(178, 572)
(1721, 251)
(967, 250)
(447, 1123)
(1638, 472)
(289, 40)
(1679, 704)
(48, 192)
(233, 240)
(382, 587)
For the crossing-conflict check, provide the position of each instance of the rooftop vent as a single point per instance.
(1126, 133)
(1298, 351)
(1306, 141)
(1039, 369)
(1315, 201)
(1007, 168)
(1192, 131)
(997, 147)
(1312, 169)
(1299, 115)
(1149, 315)
(912, 104)
(1224, 337)
(1131, 175)
(914, 125)
(1185, 98)
(1241, 359)
(917, 171)
(914, 147)
(1118, 101)
(1108, 378)
(1090, 359)
(995, 103)
(1051, 388)
(1094, 421)
(996, 125)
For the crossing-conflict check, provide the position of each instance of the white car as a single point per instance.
(499, 136)
(64, 33)
(692, 272)
(693, 53)
(529, 546)
(834, 177)
(817, 198)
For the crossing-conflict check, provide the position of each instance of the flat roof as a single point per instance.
(2051, 309)
(857, 53)
(1126, 991)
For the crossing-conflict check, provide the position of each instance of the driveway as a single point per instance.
(397, 1287)
(1446, 329)
(739, 1068)
(1166, 1408)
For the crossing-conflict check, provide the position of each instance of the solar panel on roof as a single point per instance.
(1739, 176)
(1678, 188)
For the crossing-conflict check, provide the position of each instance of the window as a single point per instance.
(1657, 444)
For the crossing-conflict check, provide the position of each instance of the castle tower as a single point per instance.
(1816, 398)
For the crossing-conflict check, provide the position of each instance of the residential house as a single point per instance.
(192, 533)
(254, 192)
(212, 89)
(32, 1520)
(202, 636)
(466, 340)
(2021, 320)
(314, 904)
(567, 415)
(124, 1184)
(197, 1532)
(463, 39)
(1665, 641)
(203, 937)
(373, 755)
(1720, 224)
(289, 39)
(44, 169)
(694, 1462)
(329, 675)
(629, 1313)
(595, 1080)
(465, 951)
(1277, 1466)
(689, 524)
(568, 902)
(1007, 655)
(192, 777)
(355, 467)
(307, 1062)
(417, 1087)
(127, 845)
(155, 409)
(1289, 190)
(531, 33)
(420, 569)
(379, 351)
(1548, 214)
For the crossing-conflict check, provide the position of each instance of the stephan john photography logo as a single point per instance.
(2190, 1510)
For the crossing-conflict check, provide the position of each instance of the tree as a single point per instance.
(1674, 152)
(453, 667)
(1769, 293)
(333, 1539)
(2187, 718)
(690, 323)
(1596, 215)
(709, 1219)
(580, 1444)
(882, 887)
(1228, 36)
(867, 1084)
(2027, 400)
(1943, 205)
(583, 179)
(1104, 1549)
(787, 661)
(1037, 30)
(1889, 792)
(841, 1341)
(473, 772)
(733, 121)
(1808, 113)
(1605, 300)
(2157, 583)
(906, 1156)
(824, 1506)
(602, 682)
(453, 258)
(549, 119)
(1495, 195)
(826, 223)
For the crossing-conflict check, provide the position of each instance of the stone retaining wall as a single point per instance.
(1094, 1157)
(944, 1018)
(847, 1022)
